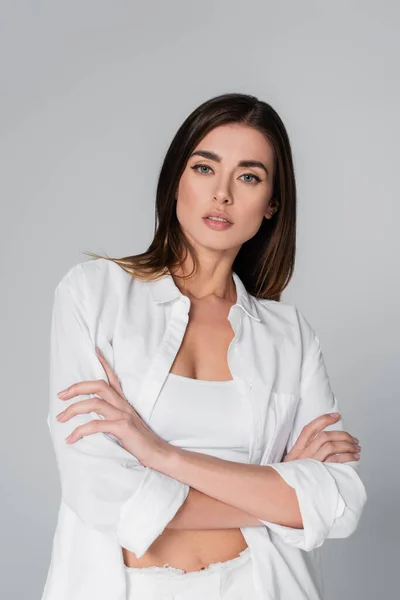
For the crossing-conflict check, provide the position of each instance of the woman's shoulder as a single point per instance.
(97, 288)
(99, 285)
(287, 314)
(93, 273)
(277, 310)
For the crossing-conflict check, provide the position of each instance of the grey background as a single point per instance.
(91, 94)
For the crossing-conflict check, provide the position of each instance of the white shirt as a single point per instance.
(109, 499)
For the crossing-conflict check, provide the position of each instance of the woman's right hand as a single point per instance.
(325, 446)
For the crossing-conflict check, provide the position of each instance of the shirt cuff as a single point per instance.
(148, 511)
(320, 502)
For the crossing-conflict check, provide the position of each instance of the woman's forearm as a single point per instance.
(257, 490)
(200, 511)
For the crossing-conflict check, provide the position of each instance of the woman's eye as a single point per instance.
(200, 166)
(256, 178)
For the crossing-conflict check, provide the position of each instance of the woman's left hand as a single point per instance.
(121, 419)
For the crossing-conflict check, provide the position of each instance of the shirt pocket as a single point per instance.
(281, 413)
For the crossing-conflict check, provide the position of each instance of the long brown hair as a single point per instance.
(264, 263)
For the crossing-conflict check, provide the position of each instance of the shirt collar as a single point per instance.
(165, 290)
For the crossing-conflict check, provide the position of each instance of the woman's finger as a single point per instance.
(97, 386)
(326, 437)
(308, 434)
(313, 428)
(97, 405)
(330, 448)
(116, 428)
(341, 458)
(111, 375)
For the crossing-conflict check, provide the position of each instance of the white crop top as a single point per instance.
(203, 416)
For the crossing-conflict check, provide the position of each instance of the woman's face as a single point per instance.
(217, 182)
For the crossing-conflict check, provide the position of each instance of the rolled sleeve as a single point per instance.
(143, 516)
(331, 496)
(106, 486)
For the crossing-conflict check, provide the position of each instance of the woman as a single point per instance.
(204, 459)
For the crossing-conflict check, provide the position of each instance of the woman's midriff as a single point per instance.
(190, 550)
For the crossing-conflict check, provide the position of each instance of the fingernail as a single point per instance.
(335, 414)
(99, 351)
(62, 393)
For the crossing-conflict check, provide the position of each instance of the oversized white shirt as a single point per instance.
(110, 500)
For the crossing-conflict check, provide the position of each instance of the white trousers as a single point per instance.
(229, 580)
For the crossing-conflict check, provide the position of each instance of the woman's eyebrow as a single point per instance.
(242, 163)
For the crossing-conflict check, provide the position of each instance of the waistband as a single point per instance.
(169, 572)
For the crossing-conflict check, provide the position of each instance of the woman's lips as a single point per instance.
(217, 225)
